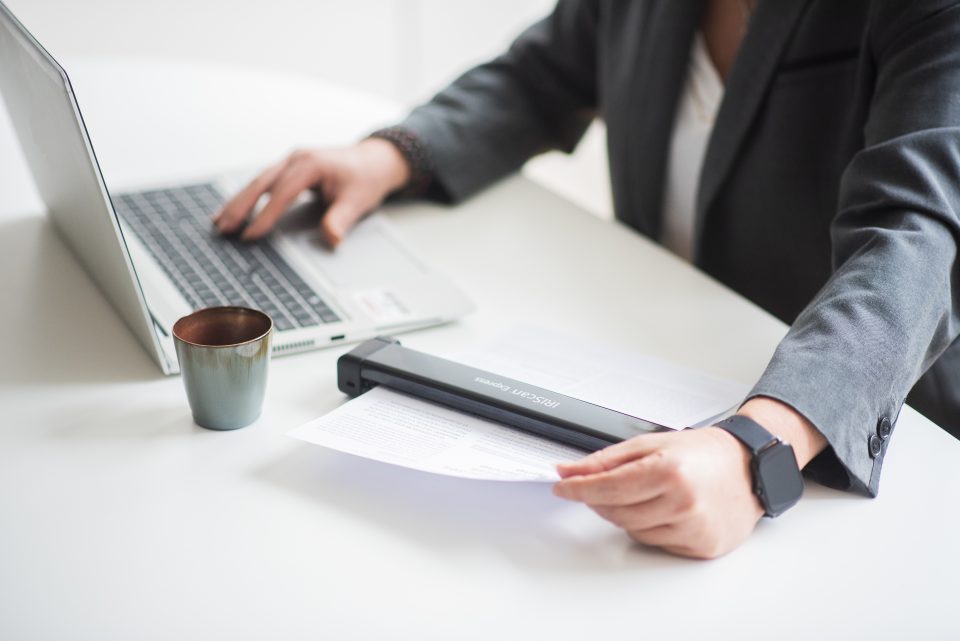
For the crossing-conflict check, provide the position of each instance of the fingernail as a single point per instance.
(562, 469)
(561, 490)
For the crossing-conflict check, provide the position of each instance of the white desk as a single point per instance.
(122, 520)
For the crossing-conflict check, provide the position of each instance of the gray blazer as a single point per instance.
(829, 193)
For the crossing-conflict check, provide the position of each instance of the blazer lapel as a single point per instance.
(770, 28)
(660, 54)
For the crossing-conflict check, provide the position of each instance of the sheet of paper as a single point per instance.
(387, 426)
(625, 380)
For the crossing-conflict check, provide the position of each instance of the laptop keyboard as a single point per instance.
(209, 269)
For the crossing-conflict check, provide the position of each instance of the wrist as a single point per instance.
(418, 164)
(788, 425)
(390, 166)
(774, 467)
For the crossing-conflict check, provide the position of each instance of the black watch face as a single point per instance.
(780, 478)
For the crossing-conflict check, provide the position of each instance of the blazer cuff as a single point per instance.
(857, 430)
(454, 176)
(422, 183)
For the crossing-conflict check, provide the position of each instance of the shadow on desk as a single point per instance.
(57, 325)
(523, 521)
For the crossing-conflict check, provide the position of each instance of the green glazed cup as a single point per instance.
(224, 353)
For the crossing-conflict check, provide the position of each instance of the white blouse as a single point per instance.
(696, 112)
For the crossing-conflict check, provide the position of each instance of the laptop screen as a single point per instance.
(54, 140)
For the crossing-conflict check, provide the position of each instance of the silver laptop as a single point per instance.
(155, 256)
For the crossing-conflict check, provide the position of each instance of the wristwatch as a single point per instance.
(776, 476)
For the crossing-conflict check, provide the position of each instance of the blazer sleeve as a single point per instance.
(891, 306)
(539, 95)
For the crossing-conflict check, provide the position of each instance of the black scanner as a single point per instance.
(384, 361)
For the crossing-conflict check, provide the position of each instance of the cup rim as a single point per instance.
(235, 308)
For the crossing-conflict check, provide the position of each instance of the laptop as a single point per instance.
(156, 257)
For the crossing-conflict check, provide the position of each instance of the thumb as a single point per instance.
(342, 214)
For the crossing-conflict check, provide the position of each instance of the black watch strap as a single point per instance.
(748, 432)
(776, 477)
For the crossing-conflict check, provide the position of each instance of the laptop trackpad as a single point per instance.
(371, 255)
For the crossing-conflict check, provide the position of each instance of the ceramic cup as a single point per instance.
(223, 354)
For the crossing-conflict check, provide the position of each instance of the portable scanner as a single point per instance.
(383, 361)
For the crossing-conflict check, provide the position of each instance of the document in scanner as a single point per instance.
(394, 428)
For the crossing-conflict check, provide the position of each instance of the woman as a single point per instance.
(803, 152)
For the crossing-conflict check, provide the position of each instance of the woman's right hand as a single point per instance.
(353, 181)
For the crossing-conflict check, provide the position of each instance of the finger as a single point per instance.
(633, 482)
(339, 218)
(666, 536)
(658, 511)
(236, 210)
(610, 457)
(285, 189)
(682, 538)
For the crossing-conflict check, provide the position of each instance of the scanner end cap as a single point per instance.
(349, 378)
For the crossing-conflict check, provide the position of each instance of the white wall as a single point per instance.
(401, 49)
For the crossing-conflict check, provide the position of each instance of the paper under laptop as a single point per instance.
(390, 427)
